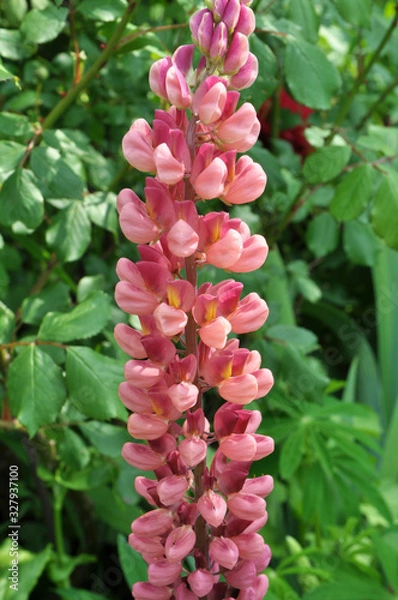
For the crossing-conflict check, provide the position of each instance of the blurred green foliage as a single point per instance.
(73, 76)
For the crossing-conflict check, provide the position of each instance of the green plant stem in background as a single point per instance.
(70, 97)
(379, 100)
(59, 494)
(348, 100)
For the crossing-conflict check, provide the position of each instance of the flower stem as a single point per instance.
(70, 97)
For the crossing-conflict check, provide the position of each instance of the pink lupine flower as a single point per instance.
(201, 582)
(163, 573)
(224, 552)
(246, 75)
(155, 522)
(212, 507)
(243, 575)
(148, 591)
(142, 457)
(238, 53)
(137, 146)
(182, 347)
(179, 543)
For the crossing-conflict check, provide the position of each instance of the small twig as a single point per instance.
(376, 103)
(77, 75)
(140, 32)
(31, 144)
(36, 342)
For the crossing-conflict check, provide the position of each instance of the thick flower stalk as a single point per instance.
(204, 508)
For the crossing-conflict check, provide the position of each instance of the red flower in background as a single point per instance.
(292, 112)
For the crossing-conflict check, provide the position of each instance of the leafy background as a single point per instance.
(73, 77)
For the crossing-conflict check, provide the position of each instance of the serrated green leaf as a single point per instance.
(70, 232)
(102, 10)
(15, 11)
(353, 193)
(36, 389)
(84, 321)
(40, 26)
(107, 438)
(53, 297)
(311, 78)
(134, 566)
(101, 208)
(385, 210)
(322, 235)
(292, 453)
(303, 13)
(386, 546)
(21, 200)
(326, 163)
(360, 243)
(7, 323)
(93, 381)
(57, 179)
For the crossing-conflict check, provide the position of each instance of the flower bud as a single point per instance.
(179, 543)
(148, 591)
(163, 573)
(224, 552)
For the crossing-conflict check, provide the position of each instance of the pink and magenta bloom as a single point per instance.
(186, 345)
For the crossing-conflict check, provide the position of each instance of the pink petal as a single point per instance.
(168, 169)
(182, 239)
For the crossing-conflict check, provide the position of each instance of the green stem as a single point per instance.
(278, 289)
(361, 78)
(376, 103)
(70, 97)
(59, 494)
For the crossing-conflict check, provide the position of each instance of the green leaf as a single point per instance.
(303, 13)
(21, 200)
(5, 74)
(57, 179)
(360, 243)
(300, 338)
(84, 479)
(134, 566)
(292, 453)
(353, 193)
(322, 235)
(93, 381)
(70, 232)
(382, 139)
(72, 450)
(386, 546)
(356, 12)
(15, 11)
(349, 587)
(41, 26)
(7, 323)
(36, 389)
(304, 283)
(89, 284)
(311, 78)
(112, 509)
(326, 163)
(102, 10)
(101, 209)
(11, 155)
(84, 321)
(30, 567)
(107, 438)
(15, 126)
(385, 210)
(54, 297)
(13, 46)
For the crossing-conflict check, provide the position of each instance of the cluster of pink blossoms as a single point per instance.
(208, 510)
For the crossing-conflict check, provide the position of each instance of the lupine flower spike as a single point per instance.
(209, 510)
